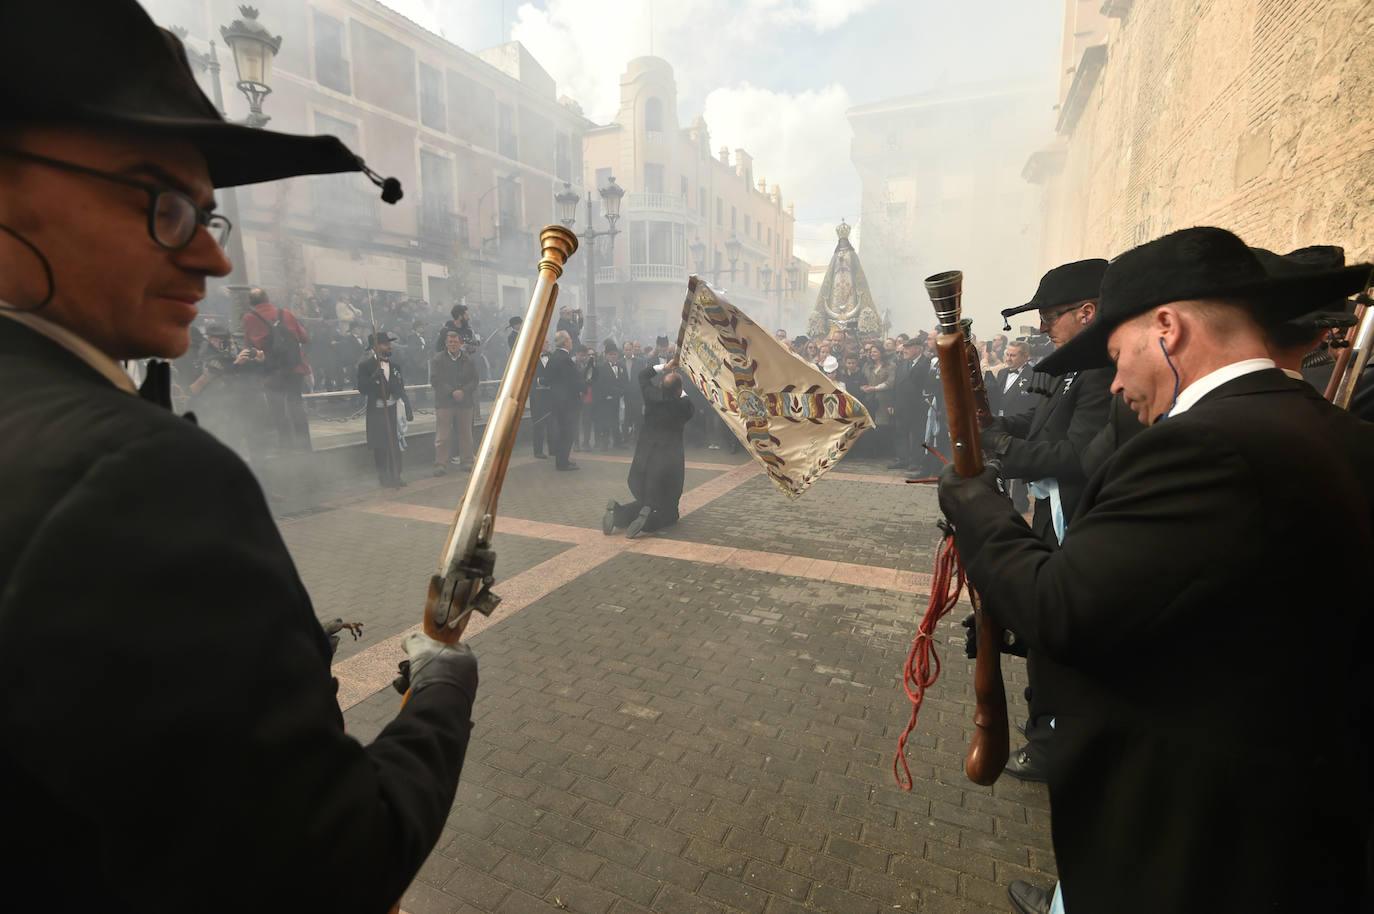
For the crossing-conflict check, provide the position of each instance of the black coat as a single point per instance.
(567, 382)
(908, 403)
(658, 470)
(541, 396)
(378, 389)
(1050, 441)
(1202, 761)
(167, 701)
(1014, 400)
(608, 389)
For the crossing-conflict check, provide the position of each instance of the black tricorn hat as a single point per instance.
(1064, 285)
(1337, 313)
(107, 65)
(1201, 263)
(383, 337)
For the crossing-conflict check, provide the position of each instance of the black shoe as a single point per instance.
(1028, 899)
(1027, 764)
(608, 519)
(440, 471)
(568, 466)
(637, 525)
(538, 455)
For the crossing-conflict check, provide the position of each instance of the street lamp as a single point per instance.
(253, 47)
(732, 248)
(567, 214)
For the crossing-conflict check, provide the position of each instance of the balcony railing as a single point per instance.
(657, 272)
(671, 203)
(610, 274)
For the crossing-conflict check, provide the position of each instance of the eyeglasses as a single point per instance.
(173, 217)
(1048, 321)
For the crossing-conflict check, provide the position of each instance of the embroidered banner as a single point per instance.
(790, 416)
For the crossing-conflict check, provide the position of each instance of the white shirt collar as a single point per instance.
(74, 344)
(1295, 375)
(1190, 395)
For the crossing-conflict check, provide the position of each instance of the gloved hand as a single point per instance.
(410, 414)
(996, 442)
(429, 662)
(956, 492)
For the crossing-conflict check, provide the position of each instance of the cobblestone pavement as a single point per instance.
(699, 722)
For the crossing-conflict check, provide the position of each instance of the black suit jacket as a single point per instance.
(567, 383)
(908, 404)
(1165, 625)
(1017, 399)
(1049, 442)
(166, 685)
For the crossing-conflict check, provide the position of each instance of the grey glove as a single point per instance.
(430, 661)
(956, 491)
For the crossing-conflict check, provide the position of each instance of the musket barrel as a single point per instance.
(450, 595)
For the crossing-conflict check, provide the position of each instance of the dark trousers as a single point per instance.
(385, 457)
(564, 420)
(288, 411)
(607, 422)
(540, 434)
(584, 440)
(907, 435)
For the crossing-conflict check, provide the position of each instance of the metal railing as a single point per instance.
(671, 203)
(657, 272)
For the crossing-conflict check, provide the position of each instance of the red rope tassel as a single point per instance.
(923, 664)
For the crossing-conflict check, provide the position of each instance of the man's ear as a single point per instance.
(1088, 311)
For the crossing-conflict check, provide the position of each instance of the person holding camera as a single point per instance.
(224, 398)
(570, 321)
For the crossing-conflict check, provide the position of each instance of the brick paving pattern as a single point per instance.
(664, 733)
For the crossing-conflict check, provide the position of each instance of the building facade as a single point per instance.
(685, 210)
(480, 142)
(1246, 114)
(942, 190)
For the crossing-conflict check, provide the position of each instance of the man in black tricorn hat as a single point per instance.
(1044, 447)
(1165, 619)
(168, 710)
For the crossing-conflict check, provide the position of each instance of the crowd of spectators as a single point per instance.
(247, 382)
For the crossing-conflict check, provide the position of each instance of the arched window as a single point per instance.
(653, 115)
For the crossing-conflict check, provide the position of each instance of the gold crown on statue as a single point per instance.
(842, 230)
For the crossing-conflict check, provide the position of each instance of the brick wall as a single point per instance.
(1254, 115)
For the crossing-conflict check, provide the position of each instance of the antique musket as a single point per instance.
(462, 583)
(1350, 364)
(990, 745)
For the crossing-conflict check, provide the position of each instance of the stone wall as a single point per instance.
(1254, 115)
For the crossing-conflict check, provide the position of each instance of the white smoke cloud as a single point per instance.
(585, 44)
(800, 141)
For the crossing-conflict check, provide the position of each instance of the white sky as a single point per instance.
(771, 76)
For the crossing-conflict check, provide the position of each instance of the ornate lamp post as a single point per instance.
(567, 214)
(732, 248)
(253, 48)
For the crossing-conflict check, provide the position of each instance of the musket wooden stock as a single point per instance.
(991, 744)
